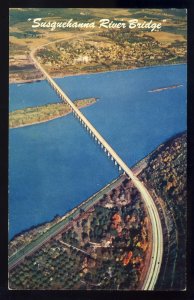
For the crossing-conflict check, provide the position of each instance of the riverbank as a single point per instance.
(70, 234)
(41, 228)
(62, 75)
(41, 114)
(108, 207)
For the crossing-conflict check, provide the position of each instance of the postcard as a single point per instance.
(97, 149)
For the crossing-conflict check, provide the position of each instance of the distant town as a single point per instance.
(90, 50)
(110, 51)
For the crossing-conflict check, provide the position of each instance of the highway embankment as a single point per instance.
(32, 237)
(63, 222)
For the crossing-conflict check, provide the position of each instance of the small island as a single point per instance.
(39, 114)
(165, 88)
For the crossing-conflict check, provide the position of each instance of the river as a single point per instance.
(56, 165)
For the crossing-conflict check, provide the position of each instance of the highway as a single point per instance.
(62, 225)
(157, 235)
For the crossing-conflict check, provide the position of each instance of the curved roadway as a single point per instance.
(157, 235)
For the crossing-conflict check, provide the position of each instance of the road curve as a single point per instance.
(157, 235)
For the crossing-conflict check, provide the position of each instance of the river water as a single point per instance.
(56, 165)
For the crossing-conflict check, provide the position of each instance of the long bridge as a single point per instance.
(157, 235)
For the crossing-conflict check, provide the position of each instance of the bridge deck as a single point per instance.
(157, 236)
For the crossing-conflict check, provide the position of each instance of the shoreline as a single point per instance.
(52, 118)
(69, 213)
(89, 73)
(66, 222)
(137, 169)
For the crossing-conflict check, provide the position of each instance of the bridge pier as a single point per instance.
(157, 236)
